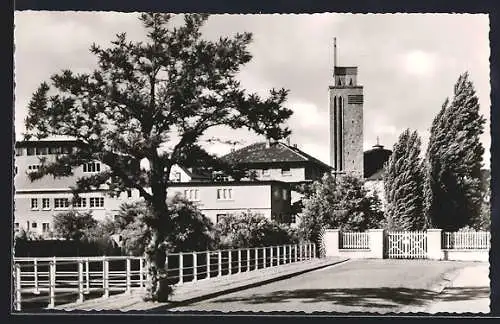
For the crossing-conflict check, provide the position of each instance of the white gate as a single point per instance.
(406, 245)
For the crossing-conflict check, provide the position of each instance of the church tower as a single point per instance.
(346, 119)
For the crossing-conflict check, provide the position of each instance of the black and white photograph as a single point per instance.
(243, 163)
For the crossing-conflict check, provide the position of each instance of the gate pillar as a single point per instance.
(434, 251)
(376, 241)
(331, 242)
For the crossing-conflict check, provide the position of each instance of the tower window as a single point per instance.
(350, 82)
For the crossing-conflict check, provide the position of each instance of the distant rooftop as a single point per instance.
(277, 152)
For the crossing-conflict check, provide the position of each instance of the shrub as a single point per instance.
(73, 225)
(248, 230)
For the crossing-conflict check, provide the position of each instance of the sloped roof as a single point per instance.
(277, 152)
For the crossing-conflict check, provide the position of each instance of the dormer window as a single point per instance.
(266, 172)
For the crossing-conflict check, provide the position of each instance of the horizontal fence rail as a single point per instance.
(354, 240)
(38, 282)
(466, 240)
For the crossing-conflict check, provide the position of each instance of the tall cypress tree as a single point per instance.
(403, 184)
(454, 160)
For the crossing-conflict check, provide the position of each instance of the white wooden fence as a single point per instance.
(43, 280)
(406, 245)
(354, 240)
(466, 240)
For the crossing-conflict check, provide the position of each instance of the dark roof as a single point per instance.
(228, 183)
(374, 160)
(195, 173)
(277, 152)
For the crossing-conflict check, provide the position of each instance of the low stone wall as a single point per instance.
(466, 255)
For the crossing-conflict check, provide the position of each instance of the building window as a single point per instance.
(285, 194)
(34, 225)
(55, 150)
(293, 219)
(61, 203)
(19, 151)
(67, 149)
(33, 167)
(41, 151)
(129, 193)
(286, 171)
(219, 217)
(45, 203)
(177, 177)
(34, 203)
(30, 151)
(224, 194)
(45, 227)
(266, 172)
(16, 227)
(96, 202)
(191, 194)
(92, 167)
(80, 203)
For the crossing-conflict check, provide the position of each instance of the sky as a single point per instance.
(407, 63)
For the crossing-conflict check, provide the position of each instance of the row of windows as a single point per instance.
(45, 226)
(191, 194)
(284, 172)
(90, 167)
(64, 203)
(20, 151)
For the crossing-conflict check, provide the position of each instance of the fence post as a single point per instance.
(239, 260)
(18, 287)
(264, 257)
(248, 260)
(52, 283)
(87, 276)
(256, 258)
(219, 263)
(278, 255)
(208, 264)
(36, 291)
(314, 250)
(295, 252)
(434, 251)
(230, 261)
(141, 272)
(128, 274)
(181, 268)
(376, 243)
(106, 277)
(271, 263)
(80, 281)
(195, 267)
(284, 254)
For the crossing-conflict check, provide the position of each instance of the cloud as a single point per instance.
(408, 63)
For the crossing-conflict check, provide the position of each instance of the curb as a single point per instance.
(225, 291)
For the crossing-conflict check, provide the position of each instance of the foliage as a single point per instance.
(73, 225)
(338, 202)
(403, 185)
(343, 202)
(192, 231)
(453, 161)
(248, 230)
(24, 235)
(152, 100)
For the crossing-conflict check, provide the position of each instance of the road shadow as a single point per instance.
(388, 299)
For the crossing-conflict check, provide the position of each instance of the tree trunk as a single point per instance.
(157, 284)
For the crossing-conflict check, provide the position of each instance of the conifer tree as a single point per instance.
(453, 194)
(403, 184)
(152, 100)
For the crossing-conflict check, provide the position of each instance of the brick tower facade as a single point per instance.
(346, 120)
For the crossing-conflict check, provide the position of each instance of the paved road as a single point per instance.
(355, 286)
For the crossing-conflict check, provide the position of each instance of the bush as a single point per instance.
(249, 230)
(73, 225)
(192, 231)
